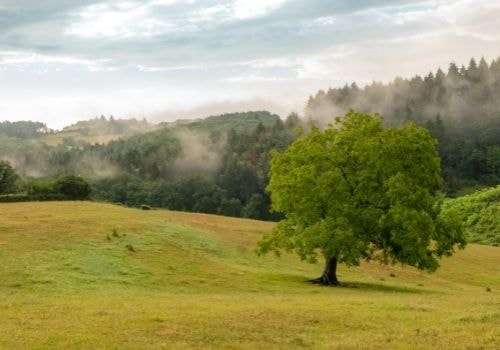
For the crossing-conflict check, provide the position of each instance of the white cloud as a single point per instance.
(123, 19)
(23, 59)
(254, 79)
(235, 11)
(245, 9)
(186, 52)
(319, 66)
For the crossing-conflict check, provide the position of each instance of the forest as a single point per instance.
(460, 108)
(220, 164)
(216, 165)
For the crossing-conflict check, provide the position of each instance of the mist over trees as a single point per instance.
(216, 165)
(460, 107)
(219, 167)
(220, 164)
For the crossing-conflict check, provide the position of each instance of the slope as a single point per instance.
(91, 275)
(481, 214)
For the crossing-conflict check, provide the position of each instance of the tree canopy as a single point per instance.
(358, 191)
(74, 187)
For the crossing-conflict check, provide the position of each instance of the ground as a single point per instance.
(79, 275)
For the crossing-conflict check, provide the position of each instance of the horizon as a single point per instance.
(163, 60)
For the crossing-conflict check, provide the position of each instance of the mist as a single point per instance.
(222, 107)
(455, 96)
(199, 154)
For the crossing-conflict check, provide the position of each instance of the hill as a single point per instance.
(215, 165)
(104, 130)
(481, 214)
(238, 122)
(90, 275)
(97, 130)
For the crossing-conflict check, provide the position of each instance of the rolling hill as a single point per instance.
(92, 275)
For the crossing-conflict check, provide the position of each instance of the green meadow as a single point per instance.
(86, 275)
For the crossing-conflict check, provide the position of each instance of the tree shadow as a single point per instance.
(385, 288)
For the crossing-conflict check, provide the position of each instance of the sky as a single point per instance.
(66, 60)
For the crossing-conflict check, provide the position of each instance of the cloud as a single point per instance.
(244, 9)
(62, 59)
(28, 59)
(122, 19)
(254, 79)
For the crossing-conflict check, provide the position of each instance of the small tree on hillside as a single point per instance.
(8, 178)
(360, 191)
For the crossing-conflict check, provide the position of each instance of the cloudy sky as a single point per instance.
(65, 60)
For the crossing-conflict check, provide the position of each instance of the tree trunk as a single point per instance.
(329, 276)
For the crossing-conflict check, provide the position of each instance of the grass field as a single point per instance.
(80, 275)
(57, 138)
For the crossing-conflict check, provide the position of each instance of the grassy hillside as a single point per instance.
(76, 137)
(97, 130)
(481, 213)
(89, 275)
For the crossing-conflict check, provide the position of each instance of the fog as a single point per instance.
(199, 154)
(457, 96)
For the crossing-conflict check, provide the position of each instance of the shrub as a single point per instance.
(73, 187)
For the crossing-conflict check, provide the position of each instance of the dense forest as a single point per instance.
(220, 164)
(216, 165)
(461, 108)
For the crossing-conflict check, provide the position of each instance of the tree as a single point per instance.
(73, 187)
(359, 191)
(8, 178)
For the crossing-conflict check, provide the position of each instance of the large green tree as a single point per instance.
(358, 191)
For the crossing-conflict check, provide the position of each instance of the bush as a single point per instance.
(72, 187)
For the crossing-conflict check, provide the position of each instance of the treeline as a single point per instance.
(13, 188)
(461, 108)
(109, 126)
(218, 165)
(228, 174)
(23, 129)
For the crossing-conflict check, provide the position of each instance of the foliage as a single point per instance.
(8, 178)
(359, 191)
(71, 186)
(151, 174)
(460, 107)
(481, 214)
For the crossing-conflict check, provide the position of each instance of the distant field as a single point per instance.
(81, 275)
(57, 138)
